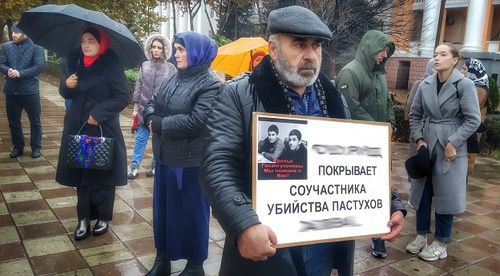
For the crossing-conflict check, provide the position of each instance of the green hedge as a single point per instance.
(53, 68)
(493, 96)
(131, 74)
(490, 140)
(221, 40)
(402, 133)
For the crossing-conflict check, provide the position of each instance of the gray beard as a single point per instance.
(290, 75)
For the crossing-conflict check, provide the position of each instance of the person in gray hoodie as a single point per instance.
(151, 74)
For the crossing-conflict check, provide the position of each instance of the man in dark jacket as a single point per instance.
(364, 85)
(286, 82)
(21, 61)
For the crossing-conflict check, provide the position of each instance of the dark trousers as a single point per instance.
(31, 104)
(444, 222)
(321, 258)
(95, 202)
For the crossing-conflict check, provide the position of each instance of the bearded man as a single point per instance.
(21, 61)
(287, 81)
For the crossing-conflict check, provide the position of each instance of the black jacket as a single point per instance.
(26, 57)
(102, 92)
(226, 168)
(182, 103)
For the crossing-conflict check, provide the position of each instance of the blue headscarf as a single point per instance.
(200, 48)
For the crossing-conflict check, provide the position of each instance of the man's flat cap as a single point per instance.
(299, 22)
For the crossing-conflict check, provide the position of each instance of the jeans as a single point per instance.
(31, 104)
(444, 222)
(67, 104)
(320, 259)
(141, 140)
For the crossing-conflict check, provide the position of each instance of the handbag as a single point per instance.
(90, 152)
(134, 125)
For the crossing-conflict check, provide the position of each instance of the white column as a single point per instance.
(475, 26)
(429, 27)
(199, 19)
(165, 25)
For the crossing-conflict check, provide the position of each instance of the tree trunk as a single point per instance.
(191, 17)
(328, 62)
(208, 18)
(9, 27)
(174, 15)
(235, 25)
(2, 26)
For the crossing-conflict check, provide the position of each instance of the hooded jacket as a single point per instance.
(363, 82)
(151, 75)
(182, 104)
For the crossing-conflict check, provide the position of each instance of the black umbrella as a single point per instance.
(59, 28)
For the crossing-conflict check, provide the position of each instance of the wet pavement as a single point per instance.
(38, 216)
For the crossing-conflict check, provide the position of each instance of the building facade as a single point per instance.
(473, 26)
(176, 20)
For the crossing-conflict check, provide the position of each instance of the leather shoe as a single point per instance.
(82, 229)
(100, 227)
(16, 152)
(193, 270)
(161, 267)
(36, 153)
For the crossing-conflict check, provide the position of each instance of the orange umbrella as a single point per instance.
(240, 55)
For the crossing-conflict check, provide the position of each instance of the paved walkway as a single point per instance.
(38, 216)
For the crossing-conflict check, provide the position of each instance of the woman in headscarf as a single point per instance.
(444, 113)
(151, 75)
(95, 82)
(476, 72)
(177, 115)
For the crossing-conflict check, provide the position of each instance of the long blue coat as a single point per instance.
(450, 116)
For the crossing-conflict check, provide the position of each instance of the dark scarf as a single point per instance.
(274, 98)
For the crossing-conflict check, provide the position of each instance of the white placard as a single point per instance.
(339, 189)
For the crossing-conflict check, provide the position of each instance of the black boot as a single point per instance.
(161, 267)
(100, 227)
(193, 269)
(82, 229)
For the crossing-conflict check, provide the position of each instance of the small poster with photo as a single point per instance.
(319, 179)
(282, 149)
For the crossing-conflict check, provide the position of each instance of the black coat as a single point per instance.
(182, 103)
(226, 171)
(226, 168)
(26, 57)
(101, 92)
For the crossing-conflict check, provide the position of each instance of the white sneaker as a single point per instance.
(434, 252)
(132, 171)
(417, 244)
